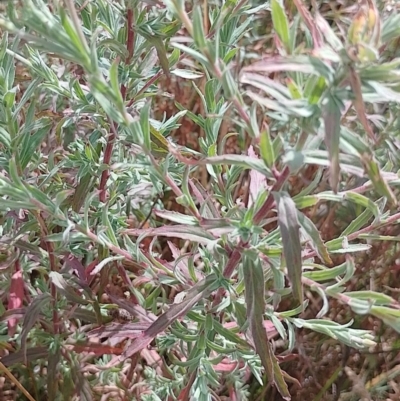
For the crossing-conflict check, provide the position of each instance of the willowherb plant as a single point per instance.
(212, 256)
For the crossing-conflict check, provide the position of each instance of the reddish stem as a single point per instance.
(146, 85)
(265, 208)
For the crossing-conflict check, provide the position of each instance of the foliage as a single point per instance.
(212, 256)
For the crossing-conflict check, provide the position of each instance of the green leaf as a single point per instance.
(391, 28)
(31, 142)
(191, 52)
(161, 53)
(280, 22)
(349, 248)
(375, 176)
(198, 30)
(350, 270)
(147, 132)
(266, 149)
(376, 297)
(76, 43)
(290, 231)
(389, 316)
(115, 84)
(324, 273)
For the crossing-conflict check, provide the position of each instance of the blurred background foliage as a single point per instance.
(199, 200)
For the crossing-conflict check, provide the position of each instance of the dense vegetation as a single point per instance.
(199, 201)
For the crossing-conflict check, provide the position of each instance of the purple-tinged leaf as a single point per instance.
(119, 330)
(255, 303)
(31, 316)
(73, 263)
(332, 116)
(199, 291)
(82, 386)
(257, 181)
(17, 313)
(182, 265)
(358, 102)
(215, 224)
(327, 32)
(208, 208)
(176, 217)
(304, 64)
(310, 23)
(16, 296)
(290, 231)
(66, 289)
(31, 355)
(52, 372)
(136, 310)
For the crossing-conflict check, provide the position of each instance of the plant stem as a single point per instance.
(130, 41)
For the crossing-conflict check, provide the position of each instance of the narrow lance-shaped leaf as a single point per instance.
(257, 181)
(290, 232)
(332, 115)
(114, 83)
(16, 295)
(313, 234)
(266, 149)
(31, 316)
(82, 385)
(280, 22)
(236, 160)
(375, 176)
(358, 102)
(198, 30)
(255, 303)
(81, 192)
(66, 289)
(390, 316)
(199, 291)
(309, 20)
(145, 125)
(52, 368)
